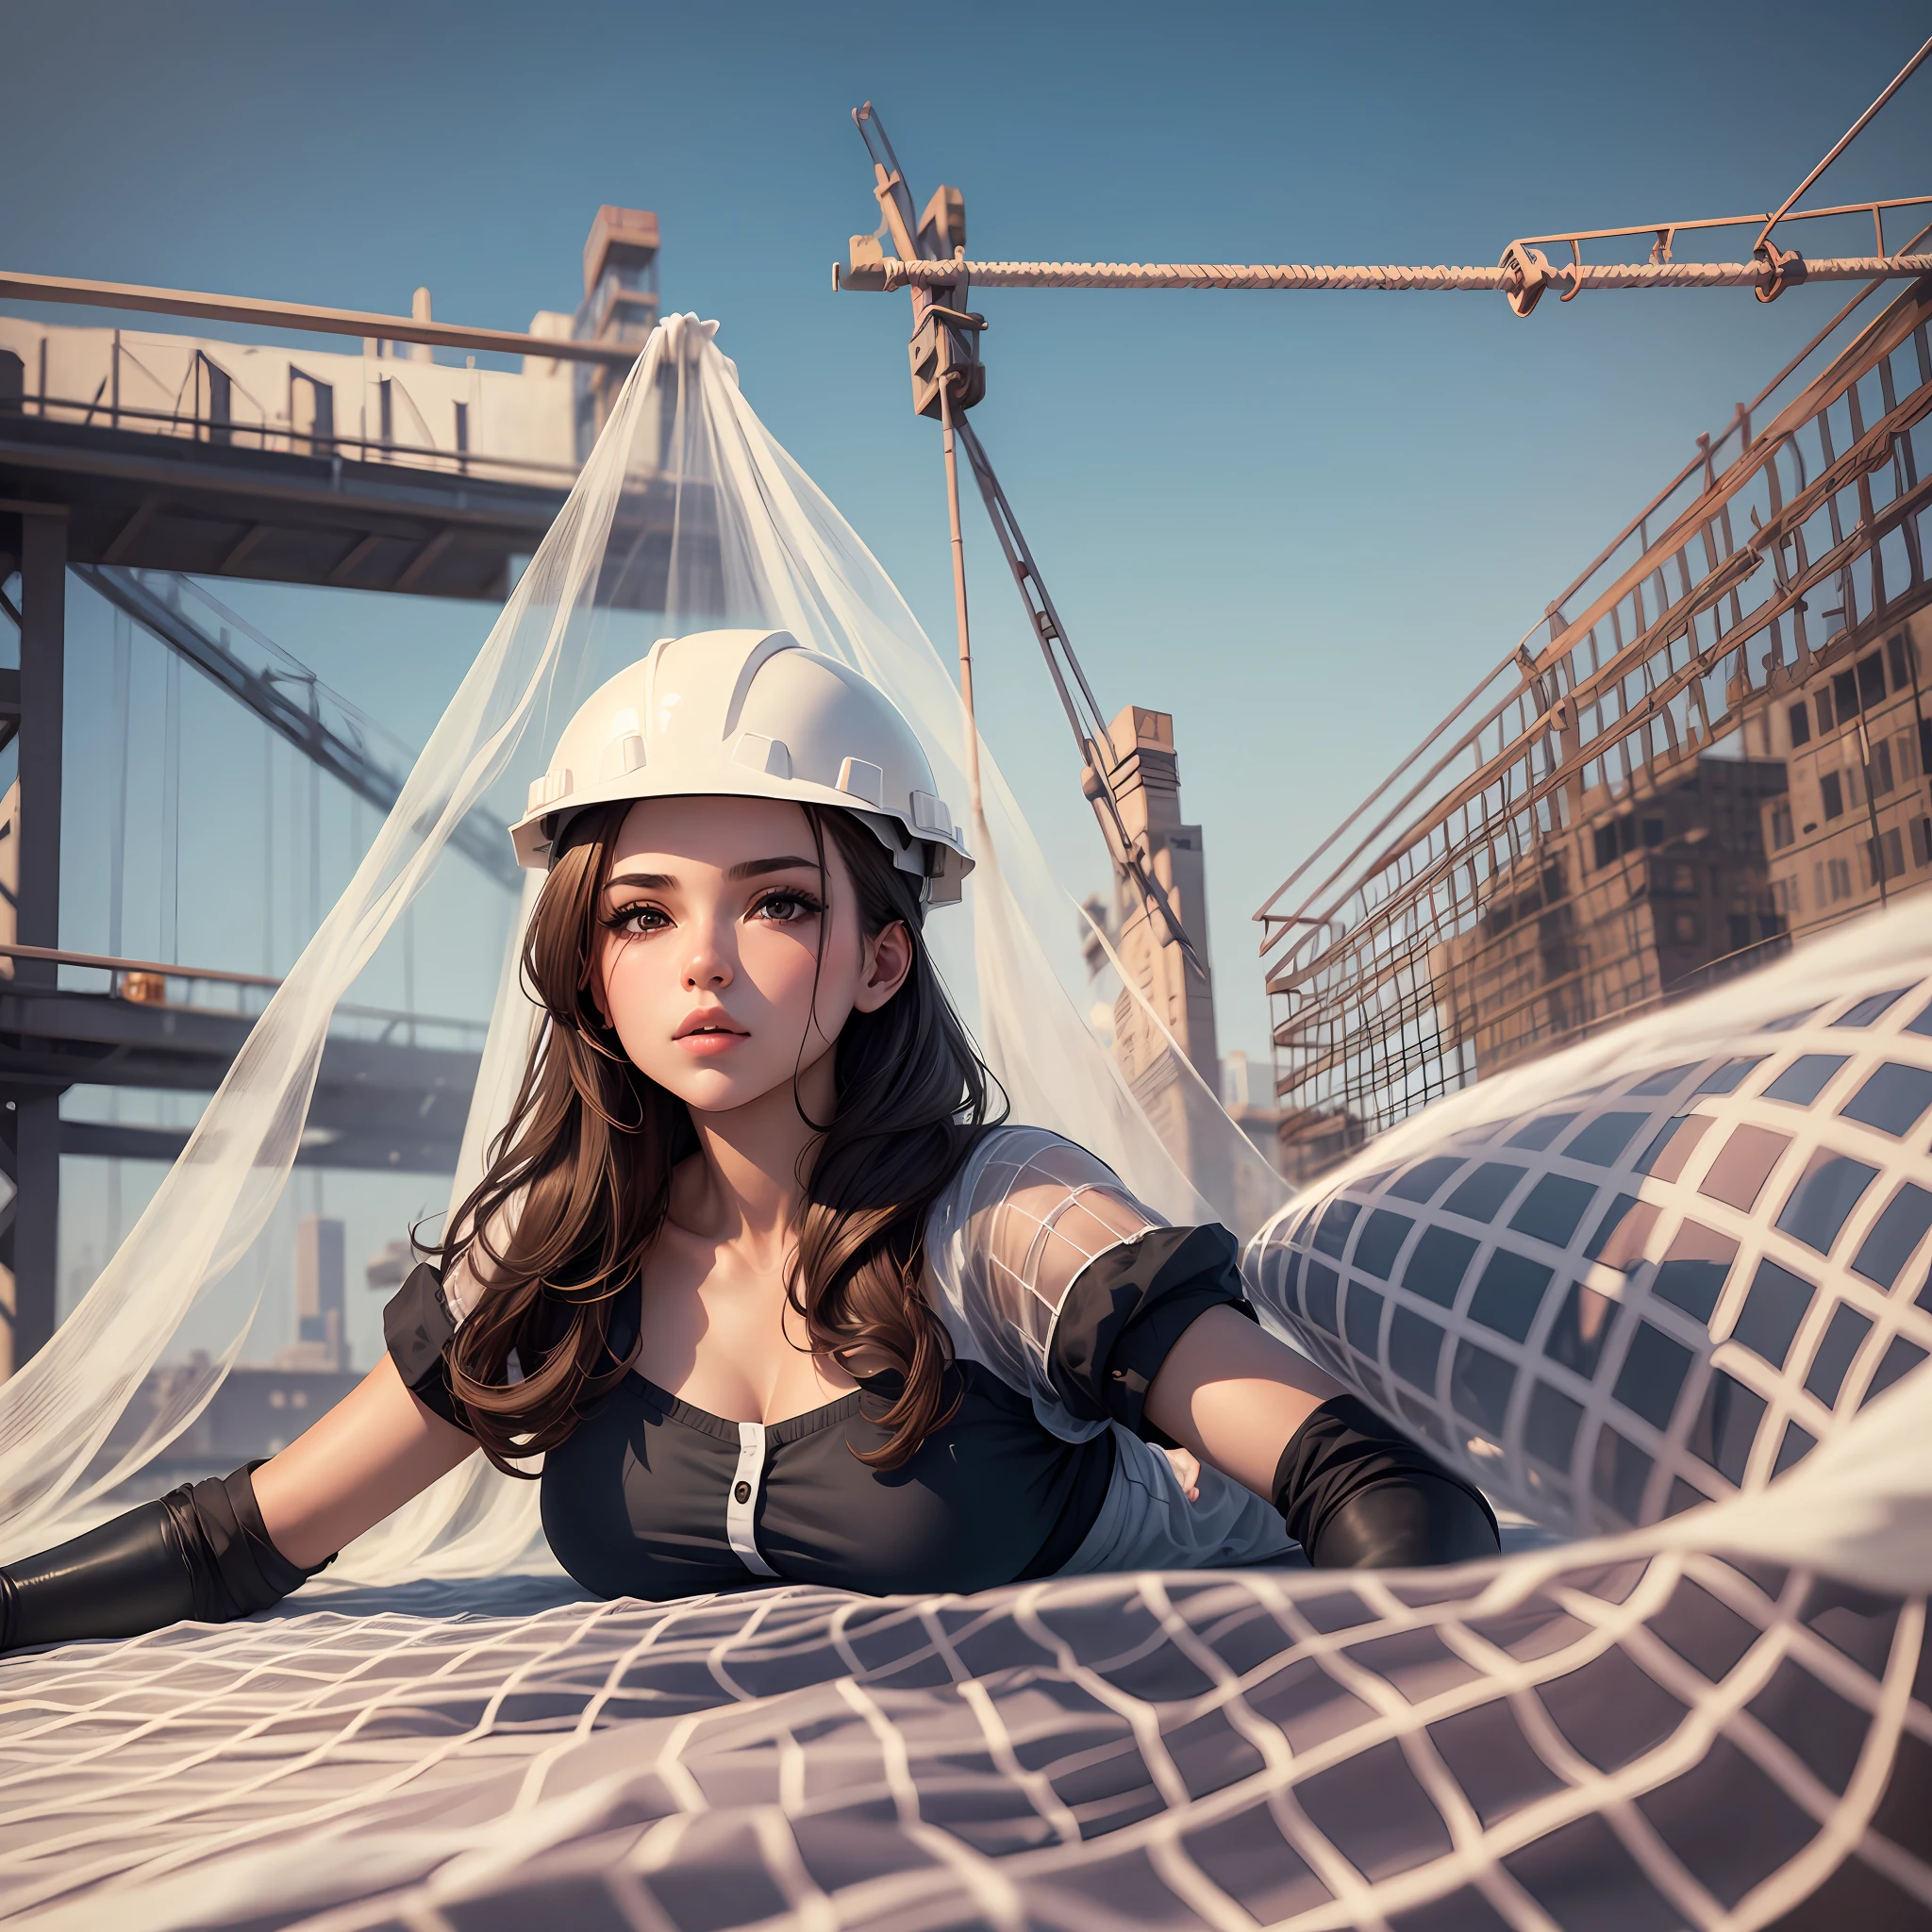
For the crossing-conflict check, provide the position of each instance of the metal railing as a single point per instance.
(235, 432)
(167, 987)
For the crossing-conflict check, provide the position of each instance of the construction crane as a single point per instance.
(949, 378)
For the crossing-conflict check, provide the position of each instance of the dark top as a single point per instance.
(653, 1497)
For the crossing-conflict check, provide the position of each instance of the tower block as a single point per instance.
(1145, 776)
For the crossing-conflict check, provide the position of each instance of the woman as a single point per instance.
(751, 1267)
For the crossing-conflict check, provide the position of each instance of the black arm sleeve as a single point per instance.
(417, 1328)
(1356, 1494)
(1127, 1308)
(200, 1553)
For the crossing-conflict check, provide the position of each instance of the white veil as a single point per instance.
(688, 515)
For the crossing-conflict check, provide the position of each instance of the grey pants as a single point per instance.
(1146, 1522)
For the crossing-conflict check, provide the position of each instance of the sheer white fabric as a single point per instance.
(688, 516)
(1007, 1241)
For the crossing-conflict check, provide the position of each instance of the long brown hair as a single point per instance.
(591, 1144)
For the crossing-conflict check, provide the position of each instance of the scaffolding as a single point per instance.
(1612, 818)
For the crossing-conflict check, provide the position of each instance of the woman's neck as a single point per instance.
(744, 1185)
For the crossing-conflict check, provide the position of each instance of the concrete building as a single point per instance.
(1650, 894)
(322, 1341)
(1168, 1001)
(1164, 1034)
(1706, 866)
(1854, 827)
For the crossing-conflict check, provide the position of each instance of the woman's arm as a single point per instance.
(1354, 1492)
(227, 1548)
(377, 1448)
(1235, 1395)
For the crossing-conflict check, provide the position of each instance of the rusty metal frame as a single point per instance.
(306, 317)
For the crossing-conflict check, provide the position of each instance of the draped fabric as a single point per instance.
(689, 515)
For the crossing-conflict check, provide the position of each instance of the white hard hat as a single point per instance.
(750, 714)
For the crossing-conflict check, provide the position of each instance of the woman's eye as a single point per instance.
(637, 919)
(787, 908)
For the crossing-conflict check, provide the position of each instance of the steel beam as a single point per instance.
(478, 838)
(29, 1248)
(361, 322)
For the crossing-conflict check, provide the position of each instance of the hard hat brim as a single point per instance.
(537, 835)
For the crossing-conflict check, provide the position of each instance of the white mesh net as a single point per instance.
(1672, 1284)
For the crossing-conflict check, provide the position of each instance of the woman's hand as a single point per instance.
(1187, 1471)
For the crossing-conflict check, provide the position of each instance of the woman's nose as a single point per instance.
(705, 965)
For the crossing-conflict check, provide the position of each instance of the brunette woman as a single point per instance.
(756, 1270)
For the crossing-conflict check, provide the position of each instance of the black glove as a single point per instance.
(1356, 1495)
(199, 1553)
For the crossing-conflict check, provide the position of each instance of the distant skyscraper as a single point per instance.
(320, 1302)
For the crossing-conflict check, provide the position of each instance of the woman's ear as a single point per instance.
(888, 960)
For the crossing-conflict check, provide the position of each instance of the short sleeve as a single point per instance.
(417, 1328)
(1128, 1309)
(1048, 1271)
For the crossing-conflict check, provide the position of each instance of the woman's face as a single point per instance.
(715, 920)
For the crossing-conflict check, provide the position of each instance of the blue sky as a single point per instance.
(1303, 524)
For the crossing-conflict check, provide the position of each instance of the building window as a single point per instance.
(1784, 895)
(1826, 716)
(1904, 660)
(1618, 837)
(1801, 724)
(1781, 834)
(462, 429)
(1885, 857)
(1872, 679)
(385, 412)
(1683, 878)
(1882, 780)
(1740, 931)
(1834, 881)
(1906, 754)
(1686, 928)
(1921, 841)
(1845, 696)
(1834, 796)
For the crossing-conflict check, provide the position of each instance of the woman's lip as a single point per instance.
(709, 1044)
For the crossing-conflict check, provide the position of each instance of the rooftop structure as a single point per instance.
(129, 457)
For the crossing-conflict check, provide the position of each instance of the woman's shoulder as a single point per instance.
(1019, 1144)
(1018, 1167)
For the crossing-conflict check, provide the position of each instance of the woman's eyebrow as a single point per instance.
(643, 881)
(756, 868)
